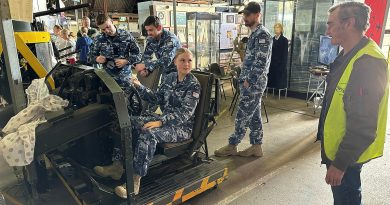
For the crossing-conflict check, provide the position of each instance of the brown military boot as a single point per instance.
(254, 150)
(226, 151)
(114, 171)
(121, 190)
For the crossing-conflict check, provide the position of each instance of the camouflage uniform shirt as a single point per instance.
(122, 45)
(257, 60)
(177, 100)
(164, 50)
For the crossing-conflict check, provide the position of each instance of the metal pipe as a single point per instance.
(174, 17)
(66, 48)
(58, 5)
(54, 11)
(11, 59)
(82, 10)
(68, 54)
(76, 13)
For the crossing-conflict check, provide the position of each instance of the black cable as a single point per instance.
(52, 70)
(62, 86)
(69, 54)
(66, 48)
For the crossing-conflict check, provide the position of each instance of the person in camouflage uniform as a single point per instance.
(177, 97)
(162, 44)
(116, 50)
(252, 83)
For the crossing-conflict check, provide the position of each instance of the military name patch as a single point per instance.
(261, 40)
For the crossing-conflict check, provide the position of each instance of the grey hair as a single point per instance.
(357, 10)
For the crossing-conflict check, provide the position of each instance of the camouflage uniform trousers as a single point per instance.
(248, 115)
(145, 141)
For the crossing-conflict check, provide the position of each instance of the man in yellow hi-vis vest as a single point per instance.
(353, 118)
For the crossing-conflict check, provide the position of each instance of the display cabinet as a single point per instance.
(202, 38)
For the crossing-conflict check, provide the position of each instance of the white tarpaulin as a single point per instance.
(18, 144)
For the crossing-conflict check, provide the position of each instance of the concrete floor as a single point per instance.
(301, 182)
(289, 133)
(289, 172)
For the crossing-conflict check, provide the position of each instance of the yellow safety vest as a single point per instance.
(335, 121)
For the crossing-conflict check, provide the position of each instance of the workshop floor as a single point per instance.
(290, 171)
(289, 137)
(289, 133)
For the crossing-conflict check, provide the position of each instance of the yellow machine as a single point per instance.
(24, 38)
(178, 172)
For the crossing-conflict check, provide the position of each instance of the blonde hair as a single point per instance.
(182, 51)
(65, 32)
(279, 25)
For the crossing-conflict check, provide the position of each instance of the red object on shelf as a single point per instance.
(71, 61)
(377, 25)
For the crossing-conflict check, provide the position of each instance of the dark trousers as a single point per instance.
(350, 191)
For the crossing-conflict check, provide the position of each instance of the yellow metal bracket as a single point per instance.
(23, 38)
(34, 37)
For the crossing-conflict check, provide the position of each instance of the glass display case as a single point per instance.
(202, 38)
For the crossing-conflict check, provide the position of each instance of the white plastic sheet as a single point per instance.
(18, 145)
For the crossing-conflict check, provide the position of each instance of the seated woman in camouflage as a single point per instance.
(177, 97)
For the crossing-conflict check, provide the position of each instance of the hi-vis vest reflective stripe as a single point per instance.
(335, 121)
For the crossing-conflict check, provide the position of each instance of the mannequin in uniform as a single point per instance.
(277, 76)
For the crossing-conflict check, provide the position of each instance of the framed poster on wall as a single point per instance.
(228, 34)
(181, 18)
(230, 18)
(239, 19)
(163, 17)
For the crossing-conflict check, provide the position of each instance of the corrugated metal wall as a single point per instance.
(125, 6)
(120, 6)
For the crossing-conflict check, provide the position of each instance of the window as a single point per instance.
(310, 23)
